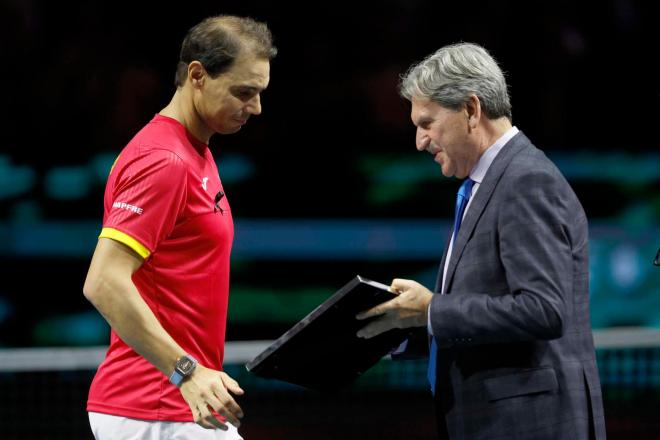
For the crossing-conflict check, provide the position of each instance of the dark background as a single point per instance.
(334, 149)
(82, 77)
(334, 141)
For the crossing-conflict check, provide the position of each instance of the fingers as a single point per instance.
(231, 384)
(408, 309)
(375, 328)
(206, 419)
(380, 309)
(401, 285)
(223, 404)
(208, 391)
(226, 406)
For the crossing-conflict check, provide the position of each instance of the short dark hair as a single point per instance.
(217, 41)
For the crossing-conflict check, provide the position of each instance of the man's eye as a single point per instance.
(244, 95)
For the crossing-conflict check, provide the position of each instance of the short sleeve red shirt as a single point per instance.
(164, 199)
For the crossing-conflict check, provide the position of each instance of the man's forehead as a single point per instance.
(426, 108)
(421, 107)
(422, 104)
(250, 73)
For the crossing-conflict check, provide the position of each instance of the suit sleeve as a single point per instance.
(536, 256)
(148, 196)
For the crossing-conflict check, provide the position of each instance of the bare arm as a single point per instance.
(110, 289)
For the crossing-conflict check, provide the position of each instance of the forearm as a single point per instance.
(120, 303)
(473, 319)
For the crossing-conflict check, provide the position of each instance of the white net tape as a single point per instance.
(88, 358)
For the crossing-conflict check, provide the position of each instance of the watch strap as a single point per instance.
(176, 378)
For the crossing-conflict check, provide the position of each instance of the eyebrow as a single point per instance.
(422, 120)
(250, 88)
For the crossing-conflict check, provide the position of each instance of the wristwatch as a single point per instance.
(184, 367)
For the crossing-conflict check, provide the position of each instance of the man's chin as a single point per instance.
(445, 172)
(229, 130)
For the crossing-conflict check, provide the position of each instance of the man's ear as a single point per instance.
(196, 74)
(473, 110)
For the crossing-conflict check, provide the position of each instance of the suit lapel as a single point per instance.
(480, 200)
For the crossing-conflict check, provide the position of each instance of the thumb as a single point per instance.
(401, 285)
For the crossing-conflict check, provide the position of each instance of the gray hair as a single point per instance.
(453, 73)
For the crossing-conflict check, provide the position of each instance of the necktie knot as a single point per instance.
(466, 188)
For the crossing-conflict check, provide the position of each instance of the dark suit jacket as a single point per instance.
(516, 357)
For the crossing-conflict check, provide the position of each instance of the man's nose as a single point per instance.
(421, 140)
(254, 105)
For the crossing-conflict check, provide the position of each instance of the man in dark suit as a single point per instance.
(511, 348)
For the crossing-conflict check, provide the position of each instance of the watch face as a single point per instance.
(185, 365)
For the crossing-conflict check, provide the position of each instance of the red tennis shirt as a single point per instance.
(164, 199)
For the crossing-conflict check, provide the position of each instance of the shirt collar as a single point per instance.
(479, 170)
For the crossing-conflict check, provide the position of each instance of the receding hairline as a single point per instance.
(233, 25)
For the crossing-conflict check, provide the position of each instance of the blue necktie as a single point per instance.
(462, 199)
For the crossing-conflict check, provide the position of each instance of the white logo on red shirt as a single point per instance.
(204, 180)
(128, 207)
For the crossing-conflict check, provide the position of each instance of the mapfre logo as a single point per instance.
(128, 207)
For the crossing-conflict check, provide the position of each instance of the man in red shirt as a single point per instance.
(160, 271)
